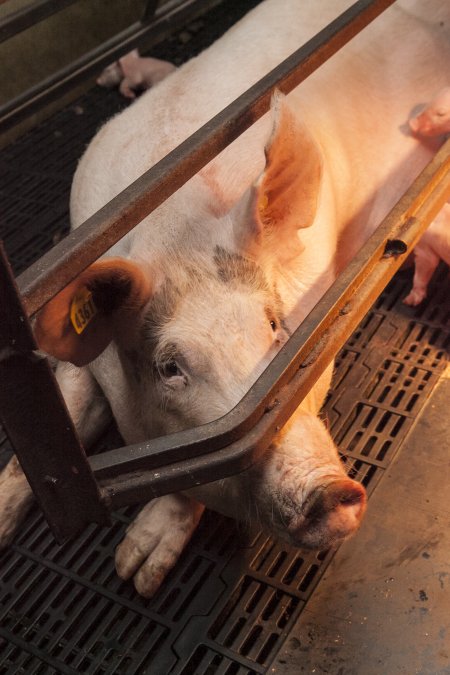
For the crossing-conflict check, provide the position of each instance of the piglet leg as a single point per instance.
(155, 540)
(426, 262)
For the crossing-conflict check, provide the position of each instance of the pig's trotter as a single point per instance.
(16, 498)
(156, 539)
(415, 297)
(126, 90)
(426, 262)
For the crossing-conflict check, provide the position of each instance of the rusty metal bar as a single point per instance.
(26, 17)
(40, 282)
(137, 35)
(199, 455)
(54, 463)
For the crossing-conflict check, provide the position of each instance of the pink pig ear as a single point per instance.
(99, 305)
(128, 62)
(284, 198)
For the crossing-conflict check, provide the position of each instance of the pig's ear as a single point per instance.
(80, 322)
(128, 61)
(284, 198)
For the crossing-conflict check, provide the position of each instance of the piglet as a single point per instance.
(134, 73)
(434, 120)
(434, 245)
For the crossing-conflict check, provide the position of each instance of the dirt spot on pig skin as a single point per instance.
(179, 519)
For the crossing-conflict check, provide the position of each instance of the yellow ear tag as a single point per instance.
(82, 309)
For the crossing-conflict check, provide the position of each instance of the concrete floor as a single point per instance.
(383, 606)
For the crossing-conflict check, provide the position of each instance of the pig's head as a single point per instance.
(434, 120)
(110, 76)
(299, 490)
(198, 324)
(113, 74)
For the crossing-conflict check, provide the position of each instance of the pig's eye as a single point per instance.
(273, 325)
(170, 369)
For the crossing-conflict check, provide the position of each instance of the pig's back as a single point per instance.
(355, 105)
(134, 140)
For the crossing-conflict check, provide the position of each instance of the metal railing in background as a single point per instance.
(25, 17)
(144, 34)
(235, 441)
(42, 280)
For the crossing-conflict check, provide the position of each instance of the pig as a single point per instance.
(434, 119)
(434, 245)
(134, 73)
(194, 303)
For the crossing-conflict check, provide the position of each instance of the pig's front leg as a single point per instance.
(90, 414)
(426, 261)
(156, 539)
(16, 498)
(87, 406)
(125, 88)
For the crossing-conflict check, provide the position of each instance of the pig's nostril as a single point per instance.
(414, 124)
(331, 513)
(350, 499)
(340, 493)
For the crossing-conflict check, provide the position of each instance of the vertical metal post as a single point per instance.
(149, 11)
(36, 420)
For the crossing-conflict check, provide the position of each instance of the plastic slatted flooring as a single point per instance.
(229, 604)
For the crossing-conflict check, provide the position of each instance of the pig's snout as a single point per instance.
(331, 513)
(423, 125)
(414, 124)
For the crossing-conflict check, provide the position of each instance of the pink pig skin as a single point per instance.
(434, 120)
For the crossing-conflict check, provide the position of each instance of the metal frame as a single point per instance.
(234, 442)
(140, 34)
(18, 21)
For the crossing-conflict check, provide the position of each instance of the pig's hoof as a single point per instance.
(155, 540)
(15, 500)
(414, 297)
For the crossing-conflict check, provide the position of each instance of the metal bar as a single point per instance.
(30, 406)
(183, 460)
(40, 282)
(89, 64)
(28, 16)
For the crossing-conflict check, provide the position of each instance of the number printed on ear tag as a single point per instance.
(82, 309)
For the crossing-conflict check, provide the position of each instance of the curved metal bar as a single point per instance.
(187, 458)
